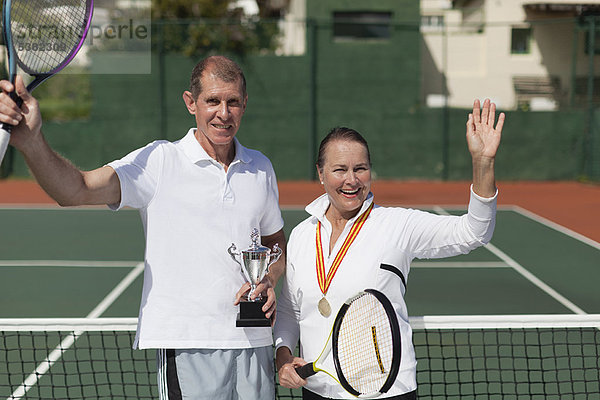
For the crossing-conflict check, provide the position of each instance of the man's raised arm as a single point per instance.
(63, 181)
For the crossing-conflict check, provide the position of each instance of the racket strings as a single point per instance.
(45, 34)
(365, 345)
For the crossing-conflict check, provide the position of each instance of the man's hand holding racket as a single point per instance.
(56, 175)
(26, 119)
(44, 54)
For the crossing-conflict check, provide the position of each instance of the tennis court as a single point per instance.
(87, 263)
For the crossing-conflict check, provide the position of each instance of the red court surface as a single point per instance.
(573, 205)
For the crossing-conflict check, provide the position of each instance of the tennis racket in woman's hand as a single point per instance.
(41, 37)
(365, 342)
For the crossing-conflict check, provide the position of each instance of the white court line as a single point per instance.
(52, 207)
(459, 264)
(539, 219)
(49, 207)
(68, 341)
(535, 280)
(555, 226)
(526, 274)
(67, 263)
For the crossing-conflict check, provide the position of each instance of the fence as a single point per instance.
(407, 92)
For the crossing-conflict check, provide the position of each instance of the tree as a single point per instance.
(201, 27)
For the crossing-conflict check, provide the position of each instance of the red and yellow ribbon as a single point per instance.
(323, 279)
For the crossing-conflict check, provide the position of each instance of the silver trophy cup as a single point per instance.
(255, 262)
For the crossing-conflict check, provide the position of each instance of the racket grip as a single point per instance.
(4, 139)
(306, 370)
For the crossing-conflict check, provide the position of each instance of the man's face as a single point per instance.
(218, 110)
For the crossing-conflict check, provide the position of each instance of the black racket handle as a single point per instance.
(19, 101)
(306, 370)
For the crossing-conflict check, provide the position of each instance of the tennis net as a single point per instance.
(508, 357)
(459, 357)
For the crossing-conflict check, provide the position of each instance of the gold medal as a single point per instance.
(324, 307)
(323, 279)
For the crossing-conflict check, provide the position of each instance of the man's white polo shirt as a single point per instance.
(192, 211)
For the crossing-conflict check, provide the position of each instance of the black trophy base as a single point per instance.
(252, 315)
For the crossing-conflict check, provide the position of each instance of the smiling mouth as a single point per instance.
(350, 192)
(219, 126)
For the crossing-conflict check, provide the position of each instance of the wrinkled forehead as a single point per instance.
(214, 86)
(345, 151)
(220, 76)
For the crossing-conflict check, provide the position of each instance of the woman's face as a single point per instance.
(346, 176)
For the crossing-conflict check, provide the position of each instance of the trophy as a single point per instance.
(255, 264)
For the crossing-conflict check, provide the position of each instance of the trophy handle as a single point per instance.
(276, 253)
(231, 250)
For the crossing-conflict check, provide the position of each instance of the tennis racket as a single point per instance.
(365, 341)
(41, 37)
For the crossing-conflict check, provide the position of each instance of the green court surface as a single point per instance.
(62, 262)
(87, 262)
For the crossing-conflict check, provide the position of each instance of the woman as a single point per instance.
(388, 237)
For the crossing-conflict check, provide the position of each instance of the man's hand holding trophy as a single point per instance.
(255, 262)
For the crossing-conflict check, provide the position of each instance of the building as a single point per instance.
(529, 54)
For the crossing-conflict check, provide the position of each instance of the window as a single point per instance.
(520, 41)
(596, 42)
(362, 25)
(431, 23)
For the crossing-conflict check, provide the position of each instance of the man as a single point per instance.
(196, 196)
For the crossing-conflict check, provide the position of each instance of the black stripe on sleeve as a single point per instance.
(394, 270)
